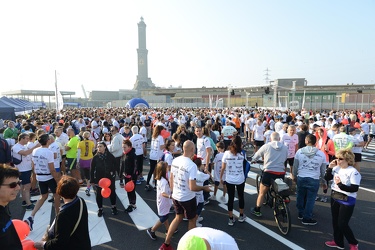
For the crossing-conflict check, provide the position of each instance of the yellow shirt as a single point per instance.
(86, 147)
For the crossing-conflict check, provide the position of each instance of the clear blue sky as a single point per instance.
(191, 43)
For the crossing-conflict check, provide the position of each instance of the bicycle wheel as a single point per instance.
(258, 179)
(249, 149)
(282, 215)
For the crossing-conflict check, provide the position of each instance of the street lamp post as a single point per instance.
(275, 94)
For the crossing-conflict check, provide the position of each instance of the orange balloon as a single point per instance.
(22, 228)
(28, 245)
(357, 125)
(104, 182)
(165, 134)
(129, 186)
(106, 192)
(345, 121)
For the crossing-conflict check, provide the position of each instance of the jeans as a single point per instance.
(307, 188)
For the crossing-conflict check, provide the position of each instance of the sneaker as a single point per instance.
(30, 222)
(165, 247)
(138, 182)
(130, 208)
(197, 224)
(333, 244)
(206, 202)
(231, 221)
(353, 247)
(51, 200)
(199, 219)
(300, 216)
(222, 199)
(154, 188)
(213, 198)
(114, 211)
(33, 201)
(309, 222)
(87, 192)
(171, 210)
(30, 207)
(151, 234)
(100, 212)
(256, 213)
(142, 179)
(323, 199)
(242, 218)
(316, 198)
(147, 187)
(24, 204)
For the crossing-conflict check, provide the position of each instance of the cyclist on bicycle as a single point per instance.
(274, 154)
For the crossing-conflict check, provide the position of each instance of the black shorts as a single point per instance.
(63, 157)
(188, 208)
(268, 178)
(25, 177)
(217, 183)
(258, 143)
(44, 185)
(365, 138)
(290, 161)
(72, 163)
(357, 157)
(372, 135)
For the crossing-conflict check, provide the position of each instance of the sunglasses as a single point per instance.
(340, 159)
(12, 184)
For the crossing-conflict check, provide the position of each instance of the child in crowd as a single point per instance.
(217, 168)
(202, 176)
(163, 199)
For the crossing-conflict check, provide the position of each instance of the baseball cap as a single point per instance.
(191, 242)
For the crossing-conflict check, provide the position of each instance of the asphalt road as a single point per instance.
(254, 233)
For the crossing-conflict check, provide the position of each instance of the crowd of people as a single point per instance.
(188, 149)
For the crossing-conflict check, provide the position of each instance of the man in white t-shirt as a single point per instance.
(203, 147)
(290, 139)
(63, 139)
(258, 135)
(137, 143)
(20, 151)
(183, 186)
(43, 163)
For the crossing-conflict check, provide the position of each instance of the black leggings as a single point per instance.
(240, 194)
(139, 160)
(119, 167)
(99, 197)
(152, 169)
(341, 215)
(131, 195)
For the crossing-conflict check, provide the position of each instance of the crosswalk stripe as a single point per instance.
(143, 217)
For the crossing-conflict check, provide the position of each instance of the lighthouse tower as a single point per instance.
(143, 81)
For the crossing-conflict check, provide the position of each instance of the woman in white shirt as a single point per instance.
(156, 152)
(232, 165)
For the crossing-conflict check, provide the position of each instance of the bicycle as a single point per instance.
(278, 200)
(248, 147)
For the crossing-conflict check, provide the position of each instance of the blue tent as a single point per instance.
(6, 111)
(17, 107)
(137, 103)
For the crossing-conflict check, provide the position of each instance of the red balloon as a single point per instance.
(357, 125)
(165, 134)
(104, 182)
(22, 228)
(28, 245)
(345, 121)
(129, 186)
(106, 192)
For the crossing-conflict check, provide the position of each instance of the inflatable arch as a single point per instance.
(137, 103)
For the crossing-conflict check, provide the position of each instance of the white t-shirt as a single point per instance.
(201, 177)
(25, 165)
(202, 144)
(41, 158)
(155, 152)
(137, 143)
(217, 166)
(183, 169)
(55, 148)
(267, 136)
(218, 240)
(168, 157)
(348, 176)
(290, 142)
(63, 139)
(356, 139)
(163, 204)
(143, 132)
(234, 168)
(258, 132)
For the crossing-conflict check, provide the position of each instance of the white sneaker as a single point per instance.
(199, 219)
(222, 199)
(242, 218)
(198, 224)
(231, 222)
(213, 198)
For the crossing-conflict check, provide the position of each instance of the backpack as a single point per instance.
(163, 157)
(5, 153)
(246, 165)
